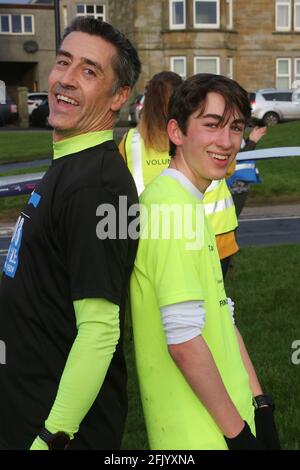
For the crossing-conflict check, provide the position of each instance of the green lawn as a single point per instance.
(19, 146)
(264, 284)
(11, 206)
(280, 177)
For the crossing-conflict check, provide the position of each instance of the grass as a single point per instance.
(11, 206)
(19, 146)
(280, 182)
(264, 285)
(280, 177)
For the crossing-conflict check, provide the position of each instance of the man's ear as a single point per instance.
(174, 132)
(120, 97)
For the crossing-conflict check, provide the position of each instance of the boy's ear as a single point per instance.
(120, 97)
(174, 132)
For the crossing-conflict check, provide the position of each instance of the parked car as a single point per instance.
(273, 105)
(34, 99)
(39, 116)
(8, 111)
(135, 109)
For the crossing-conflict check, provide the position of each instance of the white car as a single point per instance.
(273, 105)
(34, 99)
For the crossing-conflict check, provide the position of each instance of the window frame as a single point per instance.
(178, 57)
(296, 59)
(287, 4)
(22, 32)
(289, 76)
(95, 14)
(180, 25)
(229, 60)
(296, 7)
(207, 25)
(207, 57)
(229, 25)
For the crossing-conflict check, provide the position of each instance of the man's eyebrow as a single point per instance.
(84, 60)
(98, 66)
(65, 53)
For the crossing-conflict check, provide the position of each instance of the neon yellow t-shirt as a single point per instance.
(168, 271)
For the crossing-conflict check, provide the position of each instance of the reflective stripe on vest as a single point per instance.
(137, 159)
(219, 207)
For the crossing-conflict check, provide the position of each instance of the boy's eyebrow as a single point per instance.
(219, 118)
(84, 60)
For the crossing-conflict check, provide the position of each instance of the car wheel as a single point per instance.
(270, 119)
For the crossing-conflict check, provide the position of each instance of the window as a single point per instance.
(177, 14)
(297, 69)
(278, 96)
(297, 15)
(178, 65)
(207, 65)
(229, 67)
(97, 11)
(207, 13)
(16, 24)
(283, 15)
(229, 14)
(283, 73)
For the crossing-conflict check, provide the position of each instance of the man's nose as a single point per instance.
(68, 78)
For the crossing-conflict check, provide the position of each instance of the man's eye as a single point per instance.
(89, 72)
(62, 62)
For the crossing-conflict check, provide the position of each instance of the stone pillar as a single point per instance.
(23, 107)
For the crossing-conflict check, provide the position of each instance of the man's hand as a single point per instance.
(244, 441)
(265, 428)
(39, 444)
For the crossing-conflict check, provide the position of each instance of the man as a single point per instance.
(64, 283)
(196, 378)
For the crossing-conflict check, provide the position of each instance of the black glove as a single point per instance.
(266, 430)
(244, 440)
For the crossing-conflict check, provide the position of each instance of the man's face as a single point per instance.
(80, 84)
(209, 147)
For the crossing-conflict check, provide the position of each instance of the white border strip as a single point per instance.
(276, 152)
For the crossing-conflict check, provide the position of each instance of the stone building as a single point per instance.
(255, 42)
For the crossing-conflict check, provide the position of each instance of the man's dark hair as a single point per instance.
(192, 96)
(126, 63)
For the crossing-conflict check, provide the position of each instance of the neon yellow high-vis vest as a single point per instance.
(144, 164)
(169, 270)
(219, 207)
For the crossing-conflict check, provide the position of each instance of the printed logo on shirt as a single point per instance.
(34, 199)
(158, 162)
(12, 259)
(223, 302)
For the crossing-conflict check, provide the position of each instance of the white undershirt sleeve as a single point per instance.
(183, 321)
(231, 308)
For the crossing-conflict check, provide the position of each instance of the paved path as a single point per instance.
(282, 210)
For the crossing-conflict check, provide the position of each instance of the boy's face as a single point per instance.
(209, 146)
